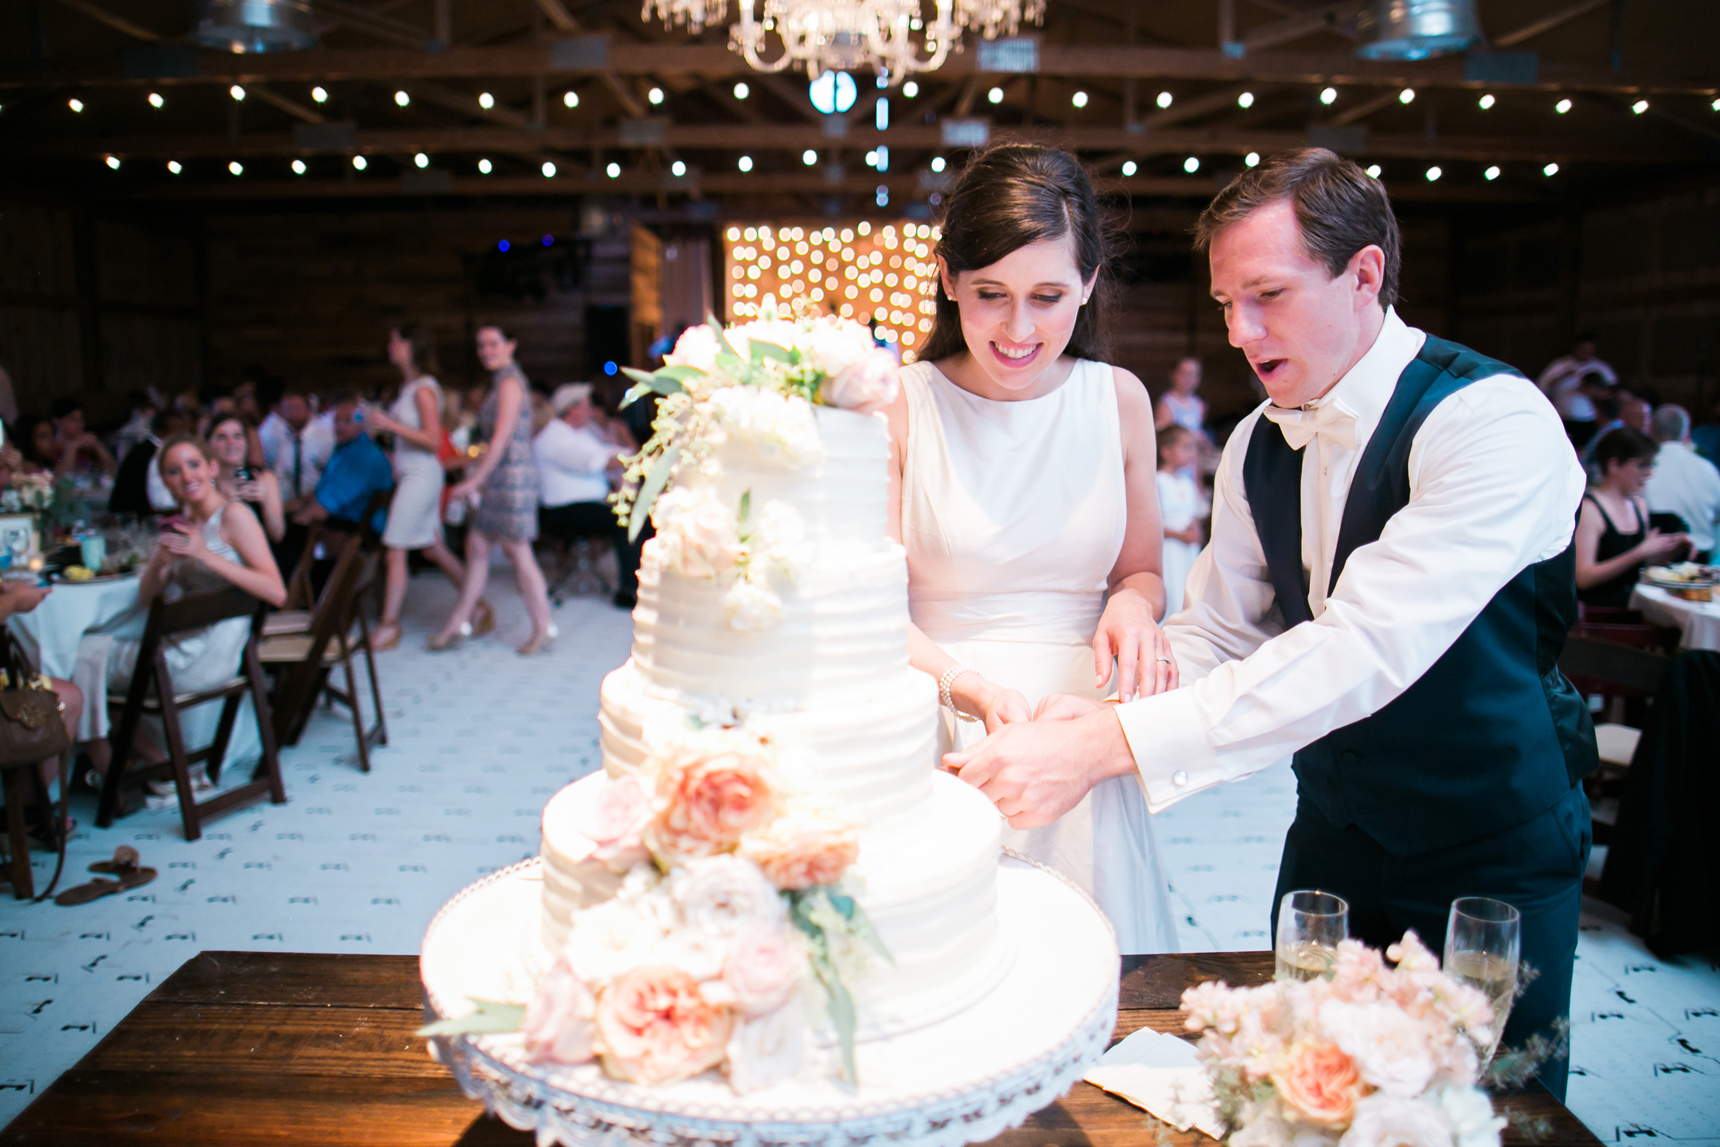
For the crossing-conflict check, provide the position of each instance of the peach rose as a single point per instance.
(558, 1020)
(615, 823)
(708, 797)
(657, 1028)
(867, 386)
(803, 849)
(1319, 1081)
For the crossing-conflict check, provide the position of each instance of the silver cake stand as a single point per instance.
(964, 1079)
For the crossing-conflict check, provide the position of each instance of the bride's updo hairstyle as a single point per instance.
(1009, 196)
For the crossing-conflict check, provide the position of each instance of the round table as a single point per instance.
(1697, 621)
(50, 634)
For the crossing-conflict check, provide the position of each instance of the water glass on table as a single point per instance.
(1483, 944)
(1310, 924)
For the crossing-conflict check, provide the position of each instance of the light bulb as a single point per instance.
(1245, 100)
(937, 163)
(655, 95)
(1129, 168)
(319, 94)
(1486, 101)
(421, 160)
(1079, 99)
(1550, 170)
(359, 163)
(113, 162)
(995, 95)
(742, 91)
(1562, 106)
(1407, 96)
(1639, 106)
(678, 169)
(810, 157)
(1164, 100)
(910, 89)
(1191, 165)
(401, 99)
(299, 167)
(548, 169)
(155, 99)
(173, 166)
(483, 167)
(1252, 159)
(75, 105)
(1490, 174)
(236, 92)
(613, 170)
(570, 99)
(1433, 173)
(872, 159)
(236, 167)
(744, 163)
(486, 100)
(1329, 96)
(1374, 170)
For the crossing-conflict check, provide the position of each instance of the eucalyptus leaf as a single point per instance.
(649, 489)
(634, 394)
(861, 924)
(643, 377)
(840, 1006)
(746, 506)
(764, 350)
(681, 373)
(490, 1017)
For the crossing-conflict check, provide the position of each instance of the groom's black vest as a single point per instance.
(1490, 736)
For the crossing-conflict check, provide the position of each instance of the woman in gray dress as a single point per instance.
(505, 480)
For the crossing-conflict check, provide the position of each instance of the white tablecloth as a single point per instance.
(1698, 621)
(50, 634)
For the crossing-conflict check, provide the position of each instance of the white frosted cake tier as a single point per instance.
(875, 745)
(927, 879)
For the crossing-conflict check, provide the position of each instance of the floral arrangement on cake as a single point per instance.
(1373, 1056)
(719, 920)
(754, 382)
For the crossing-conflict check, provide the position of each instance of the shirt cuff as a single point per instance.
(1174, 758)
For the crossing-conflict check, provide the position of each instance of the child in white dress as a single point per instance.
(1180, 510)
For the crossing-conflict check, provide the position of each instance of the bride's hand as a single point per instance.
(1127, 632)
(1007, 707)
(1063, 707)
(982, 700)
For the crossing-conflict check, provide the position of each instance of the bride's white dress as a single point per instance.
(1013, 514)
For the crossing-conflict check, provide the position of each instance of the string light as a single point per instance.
(299, 167)
(1329, 96)
(1252, 159)
(548, 169)
(319, 94)
(938, 163)
(401, 99)
(1129, 168)
(359, 163)
(1550, 170)
(1079, 99)
(155, 100)
(486, 100)
(1639, 106)
(570, 99)
(1562, 106)
(742, 91)
(484, 167)
(113, 162)
(810, 157)
(1191, 165)
(1245, 100)
(1490, 174)
(236, 92)
(655, 95)
(995, 95)
(613, 170)
(173, 166)
(910, 89)
(1433, 174)
(1486, 101)
(1164, 100)
(744, 163)
(678, 169)
(75, 105)
(1407, 96)
(1374, 170)
(421, 160)
(236, 167)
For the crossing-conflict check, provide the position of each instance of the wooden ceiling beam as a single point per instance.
(1332, 18)
(117, 22)
(906, 138)
(1548, 23)
(713, 60)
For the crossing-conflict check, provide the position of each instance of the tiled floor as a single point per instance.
(478, 742)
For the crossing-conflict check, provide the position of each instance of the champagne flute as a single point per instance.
(1310, 924)
(1483, 942)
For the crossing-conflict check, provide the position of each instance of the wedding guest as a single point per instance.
(18, 598)
(230, 439)
(213, 543)
(33, 434)
(1683, 482)
(1408, 659)
(137, 427)
(76, 448)
(295, 447)
(505, 479)
(1614, 538)
(1180, 510)
(574, 459)
(1180, 405)
(415, 514)
(137, 487)
(8, 399)
(1046, 579)
(356, 472)
(1616, 407)
(1563, 383)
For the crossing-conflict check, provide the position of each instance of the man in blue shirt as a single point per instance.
(356, 472)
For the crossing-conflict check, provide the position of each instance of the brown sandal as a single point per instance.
(123, 865)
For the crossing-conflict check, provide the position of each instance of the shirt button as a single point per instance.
(1349, 758)
(1179, 778)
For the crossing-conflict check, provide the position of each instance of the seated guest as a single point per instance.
(573, 459)
(1614, 540)
(1565, 383)
(143, 411)
(138, 488)
(1683, 482)
(211, 544)
(19, 598)
(356, 471)
(77, 448)
(295, 447)
(230, 438)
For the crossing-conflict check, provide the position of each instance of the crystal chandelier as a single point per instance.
(695, 14)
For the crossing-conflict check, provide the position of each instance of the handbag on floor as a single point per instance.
(32, 729)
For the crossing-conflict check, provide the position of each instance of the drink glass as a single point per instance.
(94, 548)
(1310, 924)
(1483, 943)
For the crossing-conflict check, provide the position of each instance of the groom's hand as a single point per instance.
(1063, 707)
(1034, 773)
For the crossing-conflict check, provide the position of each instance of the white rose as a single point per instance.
(1390, 1049)
(781, 534)
(725, 893)
(611, 939)
(752, 606)
(1260, 1125)
(1383, 1120)
(869, 385)
(701, 537)
(833, 347)
(779, 428)
(1470, 1114)
(701, 955)
(766, 1050)
(764, 968)
(697, 347)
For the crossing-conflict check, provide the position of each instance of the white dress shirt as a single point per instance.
(1562, 383)
(1494, 488)
(316, 447)
(571, 463)
(1686, 484)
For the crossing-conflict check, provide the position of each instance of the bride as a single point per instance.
(1029, 506)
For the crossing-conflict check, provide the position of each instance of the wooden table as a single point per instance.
(248, 1047)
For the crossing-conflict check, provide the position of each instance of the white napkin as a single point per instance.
(1161, 1074)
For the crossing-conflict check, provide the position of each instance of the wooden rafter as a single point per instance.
(1548, 23)
(117, 22)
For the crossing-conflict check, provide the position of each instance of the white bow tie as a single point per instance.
(1330, 420)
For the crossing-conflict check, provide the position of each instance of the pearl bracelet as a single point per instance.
(949, 679)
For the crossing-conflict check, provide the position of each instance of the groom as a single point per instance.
(1386, 593)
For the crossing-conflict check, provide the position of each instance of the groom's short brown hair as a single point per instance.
(1339, 207)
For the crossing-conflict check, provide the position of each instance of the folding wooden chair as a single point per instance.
(1616, 672)
(152, 691)
(339, 632)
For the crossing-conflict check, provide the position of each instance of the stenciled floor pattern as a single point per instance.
(480, 739)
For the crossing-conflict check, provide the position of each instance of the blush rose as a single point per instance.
(1320, 1082)
(558, 1020)
(655, 1027)
(707, 800)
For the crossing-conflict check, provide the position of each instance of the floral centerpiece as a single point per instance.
(723, 922)
(28, 491)
(1373, 1056)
